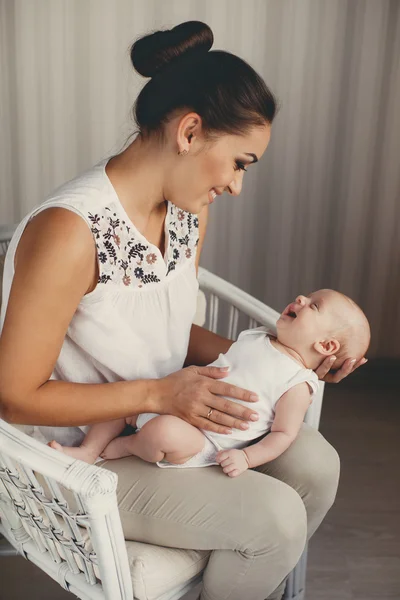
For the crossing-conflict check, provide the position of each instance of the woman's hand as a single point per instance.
(190, 394)
(349, 366)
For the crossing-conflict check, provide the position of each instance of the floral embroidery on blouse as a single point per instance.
(125, 258)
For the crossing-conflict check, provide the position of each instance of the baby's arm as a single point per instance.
(290, 411)
(289, 415)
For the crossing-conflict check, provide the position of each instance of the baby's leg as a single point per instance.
(164, 436)
(96, 439)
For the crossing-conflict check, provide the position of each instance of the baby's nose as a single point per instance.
(301, 300)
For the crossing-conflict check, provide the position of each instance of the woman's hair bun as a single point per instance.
(151, 53)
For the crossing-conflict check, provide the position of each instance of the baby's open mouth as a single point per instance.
(289, 312)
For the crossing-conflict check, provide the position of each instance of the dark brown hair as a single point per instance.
(223, 89)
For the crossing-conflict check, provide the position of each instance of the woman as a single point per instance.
(100, 289)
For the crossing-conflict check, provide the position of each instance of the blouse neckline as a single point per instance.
(130, 223)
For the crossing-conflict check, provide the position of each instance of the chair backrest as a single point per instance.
(6, 233)
(230, 309)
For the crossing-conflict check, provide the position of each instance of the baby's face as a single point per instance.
(310, 319)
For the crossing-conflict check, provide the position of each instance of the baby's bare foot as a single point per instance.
(56, 446)
(80, 452)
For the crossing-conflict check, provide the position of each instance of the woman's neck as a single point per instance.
(137, 175)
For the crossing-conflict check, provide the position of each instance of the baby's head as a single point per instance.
(325, 323)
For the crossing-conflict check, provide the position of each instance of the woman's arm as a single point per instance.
(204, 346)
(55, 267)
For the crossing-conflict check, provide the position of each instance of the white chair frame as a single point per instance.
(82, 547)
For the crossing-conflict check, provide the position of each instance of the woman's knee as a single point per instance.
(280, 522)
(310, 465)
(290, 525)
(319, 475)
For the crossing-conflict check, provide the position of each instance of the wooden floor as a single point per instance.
(355, 555)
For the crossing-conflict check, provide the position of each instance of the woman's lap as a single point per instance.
(199, 509)
(204, 509)
(256, 523)
(311, 466)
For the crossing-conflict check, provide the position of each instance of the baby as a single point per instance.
(279, 369)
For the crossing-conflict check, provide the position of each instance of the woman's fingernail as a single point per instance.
(254, 397)
(365, 361)
(244, 426)
(254, 417)
(352, 362)
(224, 368)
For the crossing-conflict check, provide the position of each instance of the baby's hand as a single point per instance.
(233, 462)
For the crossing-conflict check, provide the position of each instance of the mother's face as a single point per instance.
(211, 168)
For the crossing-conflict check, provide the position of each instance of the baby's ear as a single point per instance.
(327, 347)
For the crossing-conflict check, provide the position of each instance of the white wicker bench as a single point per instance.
(62, 514)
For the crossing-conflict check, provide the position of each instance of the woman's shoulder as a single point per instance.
(84, 193)
(68, 210)
(58, 237)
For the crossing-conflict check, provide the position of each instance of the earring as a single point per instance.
(182, 152)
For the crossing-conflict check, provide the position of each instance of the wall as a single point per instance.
(322, 208)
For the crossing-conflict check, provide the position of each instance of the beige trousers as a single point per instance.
(256, 524)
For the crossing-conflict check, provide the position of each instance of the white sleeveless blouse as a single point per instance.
(136, 323)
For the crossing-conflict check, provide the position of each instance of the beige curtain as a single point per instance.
(321, 209)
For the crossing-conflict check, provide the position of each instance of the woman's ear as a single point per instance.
(327, 347)
(189, 129)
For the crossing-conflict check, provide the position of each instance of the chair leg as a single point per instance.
(296, 581)
(6, 549)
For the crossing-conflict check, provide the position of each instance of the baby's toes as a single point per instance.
(56, 446)
(109, 453)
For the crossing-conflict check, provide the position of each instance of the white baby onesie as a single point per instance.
(256, 365)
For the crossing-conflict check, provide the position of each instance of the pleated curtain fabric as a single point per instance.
(322, 209)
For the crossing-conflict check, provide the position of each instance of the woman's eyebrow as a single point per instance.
(253, 156)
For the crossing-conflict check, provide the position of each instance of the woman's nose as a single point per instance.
(235, 187)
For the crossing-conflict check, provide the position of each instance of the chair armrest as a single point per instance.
(37, 520)
(79, 477)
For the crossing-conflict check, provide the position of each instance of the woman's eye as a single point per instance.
(240, 167)
(315, 305)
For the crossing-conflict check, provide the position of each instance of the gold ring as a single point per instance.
(209, 413)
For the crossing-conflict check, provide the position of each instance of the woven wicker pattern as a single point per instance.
(6, 233)
(62, 514)
(47, 518)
